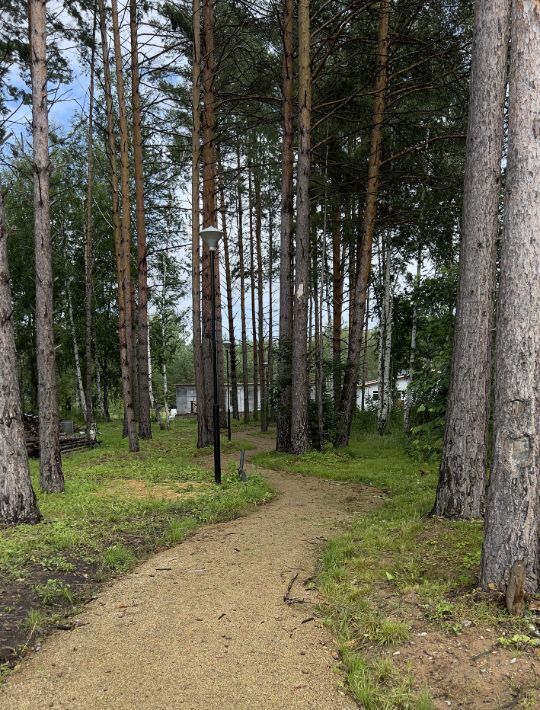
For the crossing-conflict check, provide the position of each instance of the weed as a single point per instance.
(118, 558)
(518, 641)
(54, 592)
(35, 621)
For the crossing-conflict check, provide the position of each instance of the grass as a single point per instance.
(388, 554)
(117, 508)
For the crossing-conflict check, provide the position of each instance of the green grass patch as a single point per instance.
(117, 508)
(395, 546)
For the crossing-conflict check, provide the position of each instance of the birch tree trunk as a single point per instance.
(337, 303)
(283, 434)
(412, 357)
(513, 498)
(50, 464)
(350, 379)
(17, 500)
(230, 312)
(88, 245)
(460, 493)
(300, 378)
(260, 302)
(76, 358)
(145, 426)
(252, 237)
(241, 268)
(385, 344)
(364, 355)
(126, 314)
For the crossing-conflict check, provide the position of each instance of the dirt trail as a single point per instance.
(204, 625)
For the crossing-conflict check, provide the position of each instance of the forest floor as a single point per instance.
(239, 615)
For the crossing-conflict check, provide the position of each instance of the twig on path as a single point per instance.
(287, 598)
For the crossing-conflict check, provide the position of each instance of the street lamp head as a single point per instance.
(211, 237)
(227, 344)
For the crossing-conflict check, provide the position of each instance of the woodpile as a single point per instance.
(68, 442)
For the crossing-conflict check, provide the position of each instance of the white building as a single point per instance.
(186, 395)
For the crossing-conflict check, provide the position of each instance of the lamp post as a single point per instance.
(211, 237)
(227, 346)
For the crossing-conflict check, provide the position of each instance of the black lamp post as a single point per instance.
(211, 237)
(227, 346)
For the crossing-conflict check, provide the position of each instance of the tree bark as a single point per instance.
(76, 357)
(513, 498)
(460, 493)
(412, 357)
(260, 301)
(350, 378)
(230, 312)
(337, 303)
(204, 436)
(300, 378)
(88, 246)
(385, 343)
(241, 268)
(50, 465)
(124, 300)
(17, 500)
(364, 355)
(209, 205)
(253, 235)
(283, 434)
(126, 314)
(145, 426)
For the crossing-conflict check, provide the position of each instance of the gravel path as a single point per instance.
(204, 625)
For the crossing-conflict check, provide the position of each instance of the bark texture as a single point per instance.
(145, 426)
(350, 378)
(241, 268)
(124, 301)
(513, 499)
(17, 500)
(50, 465)
(385, 343)
(460, 493)
(300, 383)
(283, 434)
(88, 246)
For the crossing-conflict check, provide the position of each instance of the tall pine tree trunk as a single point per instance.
(460, 493)
(209, 204)
(145, 427)
(260, 301)
(513, 499)
(204, 436)
(350, 378)
(76, 357)
(88, 246)
(50, 464)
(126, 315)
(124, 333)
(283, 434)
(300, 377)
(17, 500)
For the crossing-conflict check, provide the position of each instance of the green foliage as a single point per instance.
(54, 592)
(118, 558)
